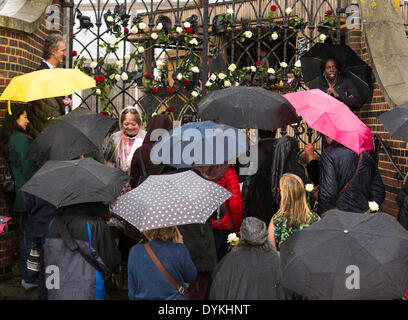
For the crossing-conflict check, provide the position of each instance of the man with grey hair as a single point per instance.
(43, 110)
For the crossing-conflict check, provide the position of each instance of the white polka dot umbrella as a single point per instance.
(170, 200)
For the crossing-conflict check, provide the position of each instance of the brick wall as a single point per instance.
(20, 53)
(368, 114)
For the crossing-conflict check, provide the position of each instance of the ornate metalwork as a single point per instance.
(266, 34)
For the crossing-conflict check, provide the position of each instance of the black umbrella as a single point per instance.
(247, 107)
(396, 122)
(351, 65)
(70, 136)
(347, 256)
(63, 183)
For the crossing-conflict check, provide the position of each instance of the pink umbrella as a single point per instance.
(333, 118)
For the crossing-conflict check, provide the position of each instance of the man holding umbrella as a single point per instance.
(46, 109)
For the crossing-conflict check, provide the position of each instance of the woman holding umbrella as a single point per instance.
(15, 142)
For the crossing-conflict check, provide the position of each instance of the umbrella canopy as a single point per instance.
(199, 144)
(63, 183)
(351, 65)
(169, 200)
(46, 83)
(247, 107)
(347, 255)
(70, 136)
(333, 118)
(396, 122)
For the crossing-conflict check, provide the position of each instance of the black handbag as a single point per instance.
(8, 179)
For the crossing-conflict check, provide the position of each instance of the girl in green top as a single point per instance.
(294, 213)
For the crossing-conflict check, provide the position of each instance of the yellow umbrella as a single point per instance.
(46, 83)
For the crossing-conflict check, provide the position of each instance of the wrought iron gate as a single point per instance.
(164, 55)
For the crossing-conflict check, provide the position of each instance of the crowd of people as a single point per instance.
(265, 209)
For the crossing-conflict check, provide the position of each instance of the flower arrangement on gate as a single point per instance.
(108, 74)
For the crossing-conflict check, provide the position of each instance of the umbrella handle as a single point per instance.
(9, 107)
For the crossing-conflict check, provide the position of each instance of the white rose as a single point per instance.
(275, 36)
(232, 67)
(117, 77)
(271, 71)
(124, 76)
(140, 49)
(213, 77)
(179, 29)
(253, 69)
(227, 83)
(373, 206)
(142, 25)
(179, 76)
(119, 63)
(208, 83)
(309, 187)
(159, 26)
(284, 65)
(134, 30)
(160, 64)
(154, 114)
(288, 11)
(222, 75)
(127, 56)
(194, 41)
(98, 91)
(232, 239)
(322, 37)
(109, 19)
(248, 34)
(195, 69)
(93, 64)
(298, 64)
(154, 35)
(194, 94)
(187, 24)
(112, 44)
(230, 11)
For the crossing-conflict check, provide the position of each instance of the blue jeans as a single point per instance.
(25, 244)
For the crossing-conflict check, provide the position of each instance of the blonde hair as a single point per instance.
(293, 205)
(162, 234)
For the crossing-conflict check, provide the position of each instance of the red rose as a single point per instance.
(234, 83)
(258, 63)
(74, 53)
(273, 8)
(329, 12)
(186, 82)
(189, 30)
(126, 30)
(101, 78)
(96, 78)
(155, 90)
(147, 75)
(105, 113)
(170, 90)
(170, 109)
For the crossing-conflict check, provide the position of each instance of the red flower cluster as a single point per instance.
(273, 8)
(100, 78)
(258, 63)
(170, 109)
(155, 90)
(189, 30)
(126, 30)
(105, 113)
(147, 75)
(186, 82)
(74, 53)
(329, 12)
(170, 90)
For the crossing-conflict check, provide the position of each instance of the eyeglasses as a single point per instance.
(130, 110)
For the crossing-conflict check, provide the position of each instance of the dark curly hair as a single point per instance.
(51, 44)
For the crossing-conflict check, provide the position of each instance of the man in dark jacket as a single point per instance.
(338, 86)
(44, 110)
(337, 167)
(69, 276)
